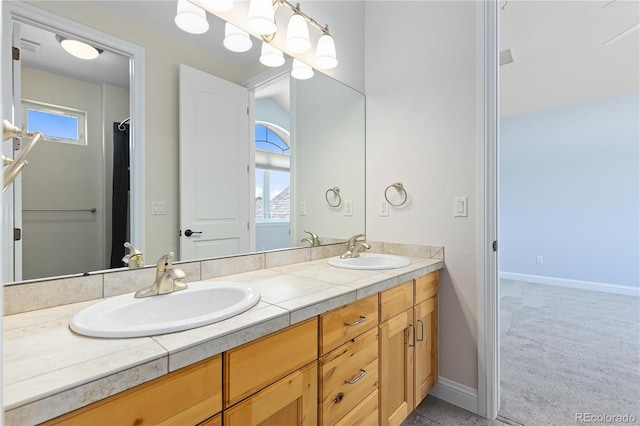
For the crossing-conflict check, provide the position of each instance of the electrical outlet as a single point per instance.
(383, 208)
(539, 260)
(348, 207)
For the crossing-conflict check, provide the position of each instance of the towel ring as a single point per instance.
(336, 192)
(398, 186)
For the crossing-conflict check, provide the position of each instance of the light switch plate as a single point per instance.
(302, 208)
(460, 207)
(158, 208)
(348, 207)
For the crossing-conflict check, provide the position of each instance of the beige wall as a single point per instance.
(420, 73)
(63, 176)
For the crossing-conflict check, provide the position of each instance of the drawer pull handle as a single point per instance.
(360, 321)
(421, 331)
(356, 379)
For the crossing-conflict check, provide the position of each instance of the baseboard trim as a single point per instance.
(457, 394)
(564, 282)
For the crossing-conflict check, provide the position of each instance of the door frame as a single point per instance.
(31, 15)
(487, 231)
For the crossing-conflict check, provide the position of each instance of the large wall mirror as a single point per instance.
(305, 147)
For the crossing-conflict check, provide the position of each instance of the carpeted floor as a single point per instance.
(568, 356)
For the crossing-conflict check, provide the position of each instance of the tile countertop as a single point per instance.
(48, 370)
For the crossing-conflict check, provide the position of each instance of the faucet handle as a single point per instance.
(312, 234)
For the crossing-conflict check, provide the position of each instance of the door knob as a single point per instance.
(189, 232)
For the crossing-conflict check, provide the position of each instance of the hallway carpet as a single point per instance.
(568, 356)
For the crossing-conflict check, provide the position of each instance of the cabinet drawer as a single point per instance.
(427, 286)
(343, 324)
(364, 414)
(396, 300)
(187, 396)
(257, 364)
(348, 374)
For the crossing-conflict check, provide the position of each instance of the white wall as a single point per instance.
(328, 138)
(569, 192)
(420, 74)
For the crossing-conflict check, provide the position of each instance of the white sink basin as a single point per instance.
(200, 304)
(371, 261)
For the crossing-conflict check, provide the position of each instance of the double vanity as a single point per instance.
(352, 344)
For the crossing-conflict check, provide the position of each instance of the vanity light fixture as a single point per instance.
(326, 52)
(261, 18)
(270, 56)
(235, 39)
(298, 34)
(218, 5)
(78, 48)
(300, 70)
(191, 18)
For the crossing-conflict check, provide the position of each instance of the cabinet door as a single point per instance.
(426, 351)
(396, 368)
(290, 401)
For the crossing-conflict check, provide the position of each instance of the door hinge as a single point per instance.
(17, 144)
(17, 234)
(15, 53)
(247, 110)
(247, 226)
(495, 246)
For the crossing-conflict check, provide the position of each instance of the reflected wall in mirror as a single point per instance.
(334, 133)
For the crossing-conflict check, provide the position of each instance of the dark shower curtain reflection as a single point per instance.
(120, 203)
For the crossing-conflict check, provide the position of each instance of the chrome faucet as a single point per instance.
(354, 246)
(313, 239)
(167, 278)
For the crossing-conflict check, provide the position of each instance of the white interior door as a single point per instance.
(214, 166)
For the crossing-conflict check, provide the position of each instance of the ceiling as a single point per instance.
(559, 56)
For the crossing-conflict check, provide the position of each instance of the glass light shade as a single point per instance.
(217, 5)
(270, 56)
(79, 49)
(191, 18)
(298, 34)
(301, 71)
(235, 39)
(261, 18)
(326, 52)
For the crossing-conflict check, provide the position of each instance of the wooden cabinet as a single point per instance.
(370, 362)
(187, 396)
(396, 368)
(349, 364)
(408, 347)
(343, 324)
(252, 366)
(289, 401)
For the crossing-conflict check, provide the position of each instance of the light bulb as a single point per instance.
(326, 52)
(235, 39)
(78, 48)
(298, 34)
(301, 71)
(191, 18)
(270, 56)
(261, 18)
